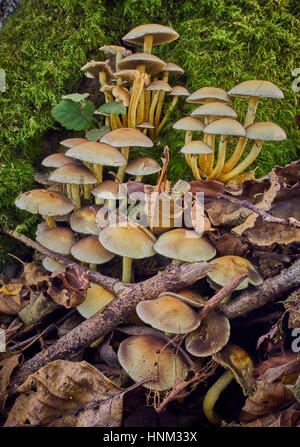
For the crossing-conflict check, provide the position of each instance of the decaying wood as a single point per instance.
(270, 290)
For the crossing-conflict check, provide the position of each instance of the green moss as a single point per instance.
(222, 42)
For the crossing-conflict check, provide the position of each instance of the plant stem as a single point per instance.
(168, 113)
(221, 157)
(126, 274)
(212, 396)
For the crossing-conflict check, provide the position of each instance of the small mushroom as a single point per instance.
(51, 265)
(59, 239)
(142, 166)
(96, 298)
(177, 91)
(188, 296)
(190, 125)
(108, 190)
(71, 142)
(90, 250)
(150, 34)
(84, 220)
(56, 160)
(148, 357)
(193, 149)
(156, 87)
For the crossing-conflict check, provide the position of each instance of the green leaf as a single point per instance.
(112, 107)
(76, 97)
(74, 115)
(96, 134)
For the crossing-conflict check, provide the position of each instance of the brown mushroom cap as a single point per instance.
(189, 123)
(152, 63)
(89, 249)
(210, 337)
(56, 160)
(229, 267)
(147, 356)
(128, 240)
(188, 296)
(51, 265)
(214, 109)
(257, 88)
(96, 298)
(84, 220)
(173, 68)
(225, 126)
(122, 95)
(44, 202)
(99, 153)
(161, 34)
(178, 90)
(196, 147)
(107, 190)
(168, 314)
(205, 93)
(128, 75)
(57, 239)
(71, 142)
(125, 137)
(184, 245)
(114, 49)
(73, 173)
(265, 131)
(96, 67)
(142, 166)
(159, 86)
(145, 125)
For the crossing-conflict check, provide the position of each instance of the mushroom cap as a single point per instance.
(128, 75)
(265, 131)
(51, 265)
(73, 173)
(178, 90)
(96, 298)
(229, 267)
(225, 126)
(146, 356)
(173, 68)
(106, 190)
(71, 142)
(126, 136)
(159, 86)
(152, 63)
(114, 49)
(187, 296)
(168, 314)
(142, 166)
(212, 335)
(161, 34)
(184, 245)
(84, 220)
(129, 240)
(145, 125)
(196, 147)
(56, 160)
(59, 239)
(99, 153)
(214, 109)
(205, 93)
(89, 249)
(122, 95)
(189, 123)
(96, 67)
(258, 88)
(44, 202)
(238, 361)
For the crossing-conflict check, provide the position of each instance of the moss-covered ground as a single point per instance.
(222, 42)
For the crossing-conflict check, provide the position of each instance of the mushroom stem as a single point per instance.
(137, 90)
(209, 162)
(102, 80)
(50, 221)
(148, 42)
(238, 152)
(69, 191)
(221, 157)
(76, 196)
(87, 192)
(202, 158)
(161, 100)
(121, 170)
(168, 113)
(141, 103)
(93, 267)
(126, 274)
(98, 171)
(138, 178)
(188, 139)
(212, 396)
(195, 167)
(256, 148)
(152, 110)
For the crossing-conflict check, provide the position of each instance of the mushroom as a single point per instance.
(90, 250)
(193, 149)
(149, 35)
(71, 142)
(184, 245)
(139, 80)
(45, 202)
(96, 298)
(156, 87)
(56, 160)
(130, 241)
(145, 125)
(84, 220)
(260, 132)
(116, 51)
(168, 314)
(188, 296)
(239, 367)
(73, 174)
(108, 190)
(126, 138)
(51, 265)
(147, 356)
(223, 127)
(253, 89)
(190, 125)
(142, 166)
(177, 91)
(59, 239)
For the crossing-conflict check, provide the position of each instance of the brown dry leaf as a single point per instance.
(210, 188)
(235, 184)
(67, 394)
(292, 305)
(39, 307)
(264, 204)
(199, 218)
(12, 297)
(7, 367)
(229, 244)
(283, 418)
(295, 389)
(221, 212)
(267, 398)
(33, 277)
(273, 362)
(290, 174)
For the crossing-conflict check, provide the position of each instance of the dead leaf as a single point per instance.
(292, 306)
(7, 367)
(12, 297)
(67, 394)
(283, 418)
(295, 389)
(33, 277)
(290, 174)
(229, 244)
(273, 362)
(235, 184)
(39, 307)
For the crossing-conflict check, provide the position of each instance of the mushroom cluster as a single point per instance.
(218, 121)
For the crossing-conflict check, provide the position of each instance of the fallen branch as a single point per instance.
(266, 217)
